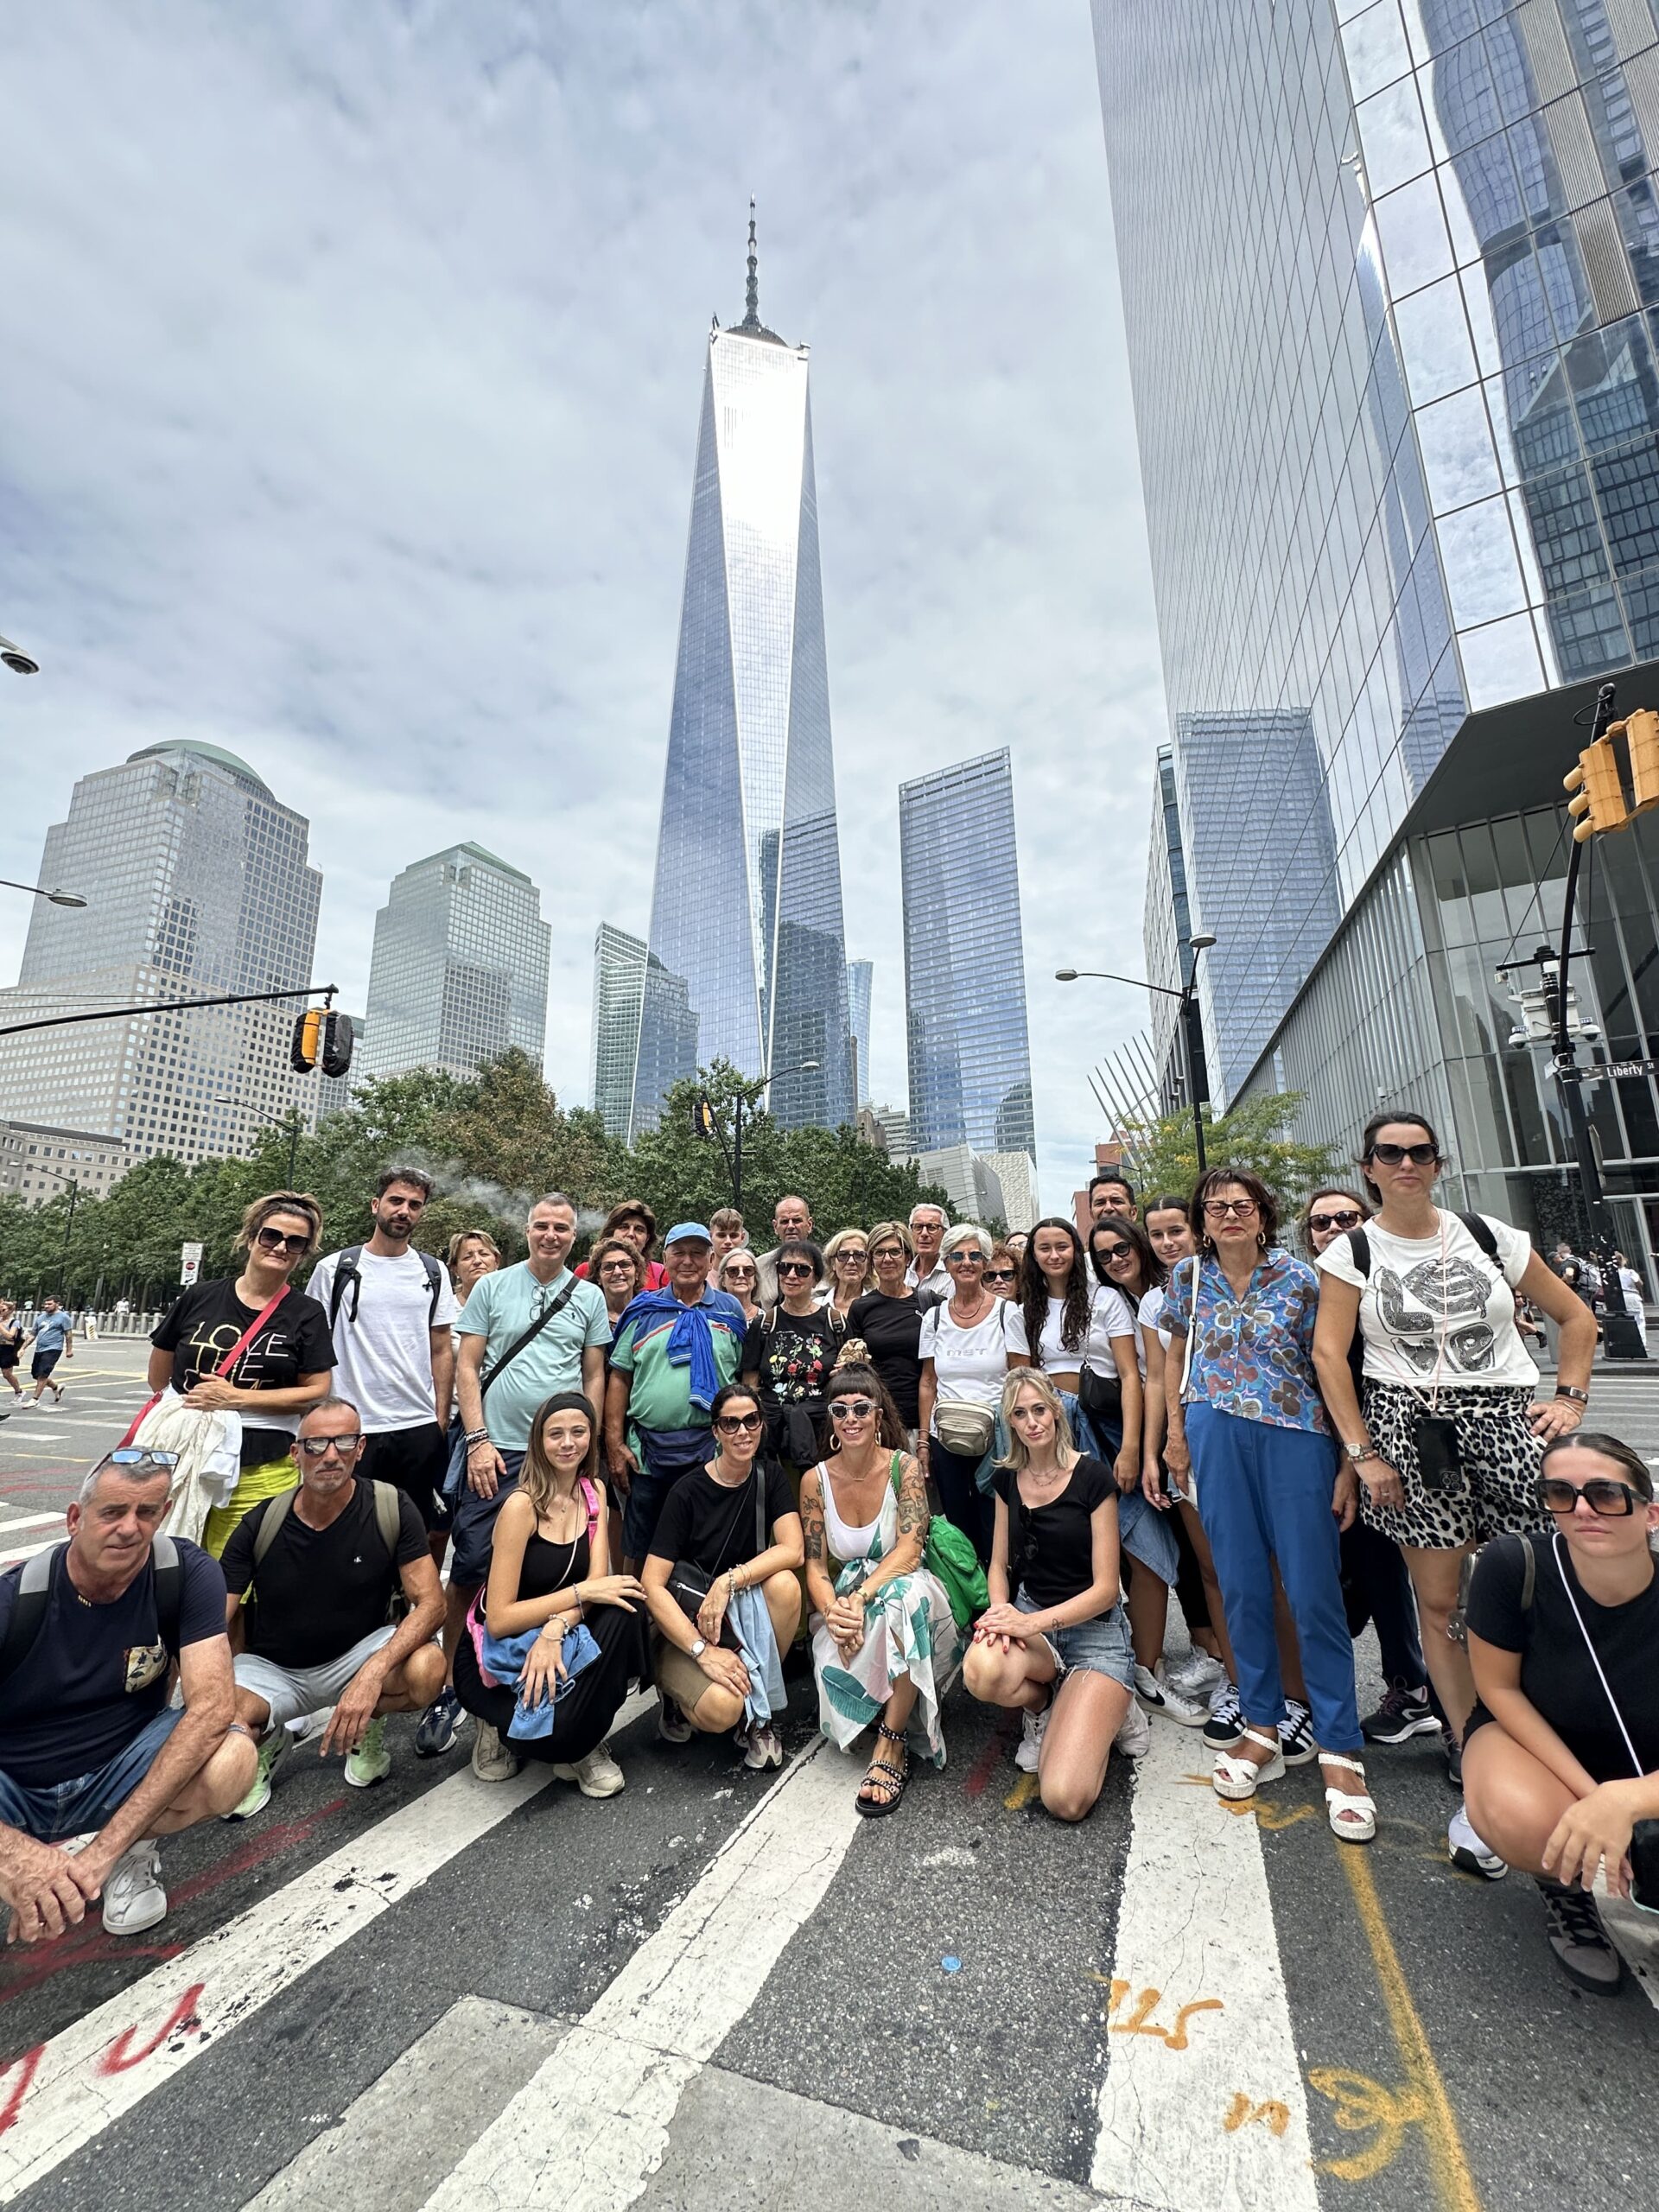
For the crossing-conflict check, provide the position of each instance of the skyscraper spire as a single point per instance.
(752, 320)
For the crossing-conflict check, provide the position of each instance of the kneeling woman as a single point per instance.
(1562, 1752)
(881, 1628)
(550, 1581)
(1053, 1643)
(735, 1526)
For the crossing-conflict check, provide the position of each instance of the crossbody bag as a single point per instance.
(1100, 1395)
(521, 1343)
(966, 1429)
(690, 1583)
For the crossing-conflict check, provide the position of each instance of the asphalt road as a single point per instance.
(721, 1991)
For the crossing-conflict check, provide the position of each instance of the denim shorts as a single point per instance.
(49, 1811)
(1096, 1647)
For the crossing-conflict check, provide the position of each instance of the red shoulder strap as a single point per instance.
(252, 1331)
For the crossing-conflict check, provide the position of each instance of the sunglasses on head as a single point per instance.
(1392, 1155)
(1613, 1501)
(735, 1424)
(1348, 1218)
(272, 1240)
(852, 1409)
(139, 1455)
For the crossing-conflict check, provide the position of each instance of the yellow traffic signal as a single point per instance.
(1642, 738)
(1598, 798)
(307, 1037)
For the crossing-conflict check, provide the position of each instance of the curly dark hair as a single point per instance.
(1265, 1204)
(1033, 1290)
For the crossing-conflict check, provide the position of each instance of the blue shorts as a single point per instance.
(1096, 1647)
(49, 1811)
(44, 1363)
(472, 1530)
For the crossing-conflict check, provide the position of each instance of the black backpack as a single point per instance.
(1360, 1244)
(34, 1586)
(346, 1271)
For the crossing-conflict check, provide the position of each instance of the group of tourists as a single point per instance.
(862, 1462)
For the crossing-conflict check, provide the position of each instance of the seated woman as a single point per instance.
(549, 1575)
(1053, 1643)
(881, 1628)
(733, 1523)
(1562, 1752)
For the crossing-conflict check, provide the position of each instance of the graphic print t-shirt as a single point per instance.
(1436, 1309)
(210, 1319)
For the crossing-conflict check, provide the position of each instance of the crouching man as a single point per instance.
(322, 1566)
(88, 1742)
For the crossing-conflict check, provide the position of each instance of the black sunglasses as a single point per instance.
(1420, 1155)
(272, 1240)
(1612, 1501)
(795, 1267)
(1350, 1218)
(735, 1424)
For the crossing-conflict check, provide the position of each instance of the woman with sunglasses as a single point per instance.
(1448, 1443)
(738, 1276)
(1003, 1270)
(847, 1273)
(1561, 1749)
(888, 1320)
(1052, 1645)
(882, 1633)
(968, 1345)
(708, 1523)
(789, 1354)
(1270, 1487)
(282, 1344)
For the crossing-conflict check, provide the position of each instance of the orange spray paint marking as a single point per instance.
(118, 2059)
(1243, 2114)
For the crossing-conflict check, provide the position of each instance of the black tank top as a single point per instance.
(547, 1567)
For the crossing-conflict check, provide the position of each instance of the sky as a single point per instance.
(353, 360)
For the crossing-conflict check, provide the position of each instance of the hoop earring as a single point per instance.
(1262, 1238)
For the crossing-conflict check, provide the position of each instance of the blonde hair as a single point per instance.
(834, 1245)
(891, 1232)
(299, 1203)
(1066, 1445)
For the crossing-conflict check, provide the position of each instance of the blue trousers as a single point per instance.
(1264, 1494)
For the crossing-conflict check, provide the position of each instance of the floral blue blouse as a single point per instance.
(1252, 1357)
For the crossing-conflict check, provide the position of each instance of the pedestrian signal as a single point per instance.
(338, 1035)
(307, 1039)
(1641, 739)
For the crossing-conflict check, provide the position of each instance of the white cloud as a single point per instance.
(353, 361)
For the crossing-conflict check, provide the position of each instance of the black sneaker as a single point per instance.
(1453, 1750)
(1296, 1737)
(1579, 1942)
(1402, 1714)
(439, 1727)
(1226, 1722)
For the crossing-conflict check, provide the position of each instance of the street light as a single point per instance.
(292, 1120)
(1191, 1030)
(57, 898)
(19, 662)
(734, 1158)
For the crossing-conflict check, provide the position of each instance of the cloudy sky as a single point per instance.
(352, 358)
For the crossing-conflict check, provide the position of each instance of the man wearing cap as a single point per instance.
(674, 1349)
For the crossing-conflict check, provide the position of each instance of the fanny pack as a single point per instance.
(964, 1430)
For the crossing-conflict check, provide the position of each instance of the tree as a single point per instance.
(1162, 1156)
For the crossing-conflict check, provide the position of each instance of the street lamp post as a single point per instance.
(734, 1158)
(1191, 1029)
(57, 896)
(292, 1120)
(68, 1220)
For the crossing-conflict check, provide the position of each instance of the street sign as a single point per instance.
(1610, 1067)
(189, 1263)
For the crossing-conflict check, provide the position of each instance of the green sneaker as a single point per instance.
(273, 1753)
(370, 1762)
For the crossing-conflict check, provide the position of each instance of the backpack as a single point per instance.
(34, 1588)
(1360, 1244)
(347, 1272)
(388, 1520)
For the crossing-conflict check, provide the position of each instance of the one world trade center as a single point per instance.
(748, 957)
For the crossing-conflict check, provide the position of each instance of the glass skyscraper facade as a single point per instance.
(969, 1051)
(1391, 342)
(861, 978)
(459, 971)
(197, 882)
(619, 994)
(747, 956)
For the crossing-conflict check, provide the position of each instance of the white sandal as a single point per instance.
(1237, 1778)
(1353, 1815)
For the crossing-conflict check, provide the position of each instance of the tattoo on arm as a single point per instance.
(812, 1520)
(912, 1502)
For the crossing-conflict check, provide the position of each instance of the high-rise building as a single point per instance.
(39, 1164)
(197, 883)
(748, 957)
(861, 975)
(459, 971)
(894, 1125)
(619, 993)
(1403, 507)
(965, 960)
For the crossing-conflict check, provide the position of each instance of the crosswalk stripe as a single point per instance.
(27, 1551)
(1202, 2102)
(592, 2124)
(30, 1521)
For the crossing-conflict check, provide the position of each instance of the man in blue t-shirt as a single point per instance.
(88, 1635)
(52, 1339)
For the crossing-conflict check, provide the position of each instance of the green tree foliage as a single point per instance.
(1161, 1155)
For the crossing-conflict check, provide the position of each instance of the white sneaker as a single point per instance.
(1163, 1697)
(1134, 1739)
(1196, 1675)
(1465, 1849)
(491, 1760)
(133, 1896)
(762, 1748)
(597, 1775)
(1029, 1752)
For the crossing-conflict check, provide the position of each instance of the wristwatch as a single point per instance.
(699, 1645)
(1359, 1453)
(1570, 1391)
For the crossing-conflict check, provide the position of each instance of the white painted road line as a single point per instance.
(22, 1520)
(27, 1551)
(1203, 2108)
(588, 2130)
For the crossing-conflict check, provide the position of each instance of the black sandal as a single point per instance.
(893, 1779)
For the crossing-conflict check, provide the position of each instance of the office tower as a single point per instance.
(197, 883)
(39, 1163)
(859, 977)
(965, 960)
(1403, 504)
(1167, 926)
(459, 972)
(894, 1125)
(619, 993)
(747, 956)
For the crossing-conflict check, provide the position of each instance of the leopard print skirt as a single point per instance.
(1493, 1492)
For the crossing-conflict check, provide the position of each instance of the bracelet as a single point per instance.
(480, 1436)
(1576, 1396)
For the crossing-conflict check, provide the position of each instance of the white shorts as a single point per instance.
(293, 1692)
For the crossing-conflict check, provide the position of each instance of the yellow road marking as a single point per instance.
(1021, 1794)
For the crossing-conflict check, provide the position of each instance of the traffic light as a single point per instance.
(702, 1119)
(1642, 737)
(1597, 797)
(307, 1037)
(338, 1035)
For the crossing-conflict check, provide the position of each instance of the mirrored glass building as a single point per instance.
(1392, 348)
(861, 978)
(619, 994)
(459, 972)
(748, 956)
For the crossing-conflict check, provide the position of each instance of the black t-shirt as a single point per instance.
(891, 1327)
(1051, 1556)
(793, 1355)
(320, 1591)
(1558, 1676)
(96, 1676)
(713, 1527)
(210, 1319)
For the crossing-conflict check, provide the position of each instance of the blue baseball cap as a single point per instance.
(684, 1231)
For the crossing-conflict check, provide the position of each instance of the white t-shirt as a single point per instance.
(1436, 1309)
(971, 1365)
(1150, 1314)
(386, 1353)
(1109, 1317)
